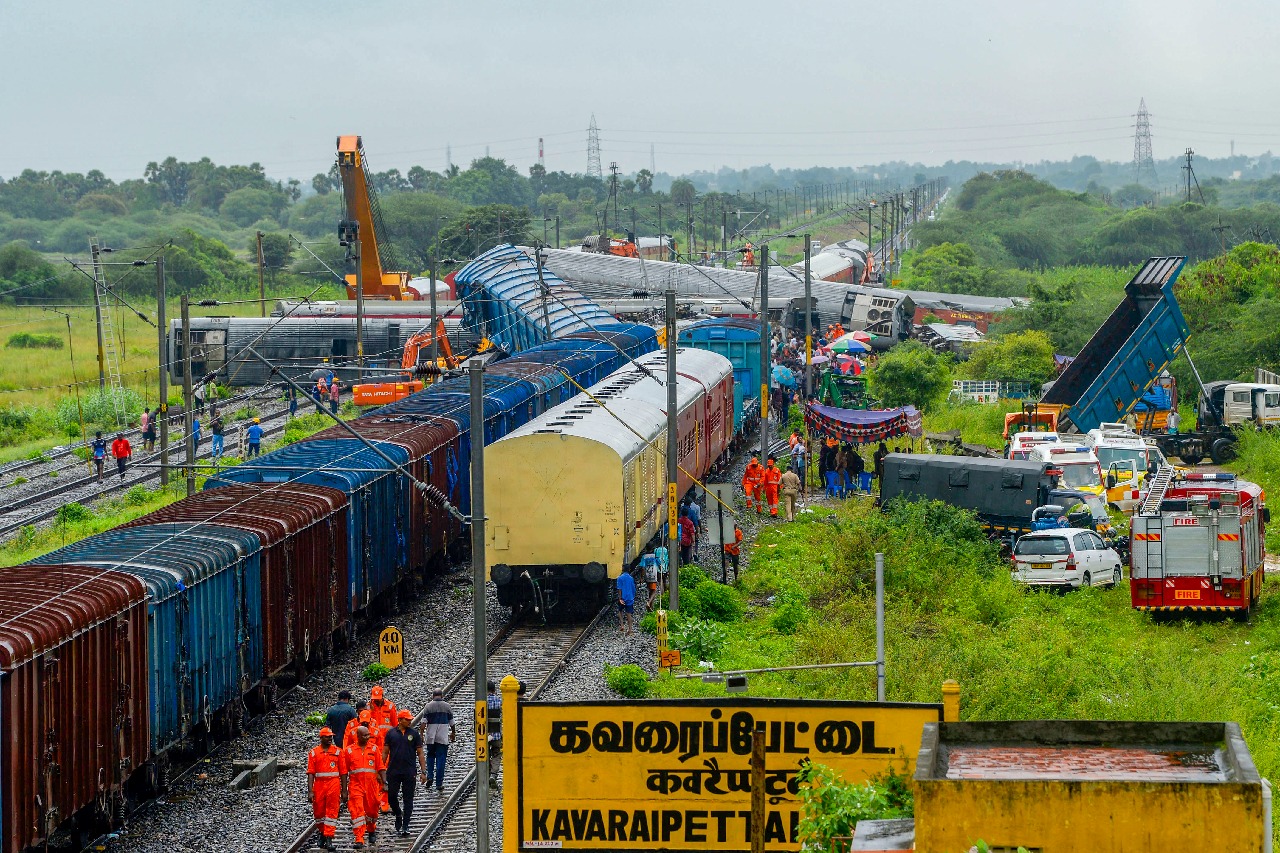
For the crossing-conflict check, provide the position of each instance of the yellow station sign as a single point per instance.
(675, 775)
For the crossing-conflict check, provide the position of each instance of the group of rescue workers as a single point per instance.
(366, 758)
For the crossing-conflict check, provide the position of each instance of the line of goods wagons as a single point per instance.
(120, 650)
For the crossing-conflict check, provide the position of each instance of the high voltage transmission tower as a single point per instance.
(593, 150)
(1144, 166)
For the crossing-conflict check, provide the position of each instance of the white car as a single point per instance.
(1068, 557)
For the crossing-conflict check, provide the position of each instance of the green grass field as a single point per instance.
(953, 612)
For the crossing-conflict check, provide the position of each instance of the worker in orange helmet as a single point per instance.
(362, 719)
(367, 782)
(326, 778)
(753, 484)
(749, 255)
(772, 479)
(382, 713)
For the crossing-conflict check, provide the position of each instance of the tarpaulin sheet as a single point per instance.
(863, 426)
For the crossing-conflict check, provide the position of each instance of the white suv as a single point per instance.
(1069, 557)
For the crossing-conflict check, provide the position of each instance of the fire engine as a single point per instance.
(1198, 544)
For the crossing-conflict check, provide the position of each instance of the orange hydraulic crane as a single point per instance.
(390, 389)
(364, 223)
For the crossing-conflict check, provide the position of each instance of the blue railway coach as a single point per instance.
(204, 616)
(737, 340)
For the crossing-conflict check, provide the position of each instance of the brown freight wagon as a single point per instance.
(429, 444)
(73, 699)
(303, 530)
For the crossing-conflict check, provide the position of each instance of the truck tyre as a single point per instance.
(1223, 450)
(1191, 458)
(1086, 581)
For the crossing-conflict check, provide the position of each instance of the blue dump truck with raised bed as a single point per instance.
(1123, 359)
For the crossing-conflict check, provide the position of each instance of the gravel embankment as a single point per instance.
(203, 807)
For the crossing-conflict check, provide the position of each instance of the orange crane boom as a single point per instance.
(364, 223)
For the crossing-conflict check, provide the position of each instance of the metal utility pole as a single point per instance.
(97, 312)
(808, 320)
(478, 596)
(435, 345)
(187, 414)
(557, 231)
(262, 289)
(673, 449)
(879, 627)
(355, 247)
(542, 289)
(764, 352)
(166, 356)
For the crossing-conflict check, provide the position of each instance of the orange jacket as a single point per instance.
(754, 475)
(326, 765)
(772, 475)
(364, 763)
(733, 547)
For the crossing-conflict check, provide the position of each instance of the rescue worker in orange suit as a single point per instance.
(363, 719)
(734, 548)
(772, 479)
(326, 777)
(753, 485)
(749, 256)
(383, 715)
(366, 784)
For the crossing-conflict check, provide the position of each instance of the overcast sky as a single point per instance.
(831, 82)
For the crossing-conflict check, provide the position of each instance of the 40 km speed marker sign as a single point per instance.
(391, 647)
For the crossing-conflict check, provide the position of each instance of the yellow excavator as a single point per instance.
(363, 228)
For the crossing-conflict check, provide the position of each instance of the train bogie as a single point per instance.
(73, 698)
(575, 496)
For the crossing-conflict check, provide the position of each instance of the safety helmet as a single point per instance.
(326, 732)
(366, 716)
(256, 421)
(376, 692)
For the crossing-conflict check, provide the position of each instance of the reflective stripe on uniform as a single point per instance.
(364, 770)
(325, 775)
(359, 821)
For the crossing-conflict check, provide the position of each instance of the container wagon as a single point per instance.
(599, 477)
(738, 341)
(73, 700)
(301, 534)
(1198, 544)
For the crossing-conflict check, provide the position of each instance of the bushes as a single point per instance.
(831, 807)
(374, 672)
(27, 340)
(790, 610)
(99, 409)
(718, 603)
(628, 680)
(700, 638)
(73, 512)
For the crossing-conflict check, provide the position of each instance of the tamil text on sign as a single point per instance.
(676, 774)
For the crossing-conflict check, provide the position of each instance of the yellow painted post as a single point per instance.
(511, 793)
(950, 701)
(391, 647)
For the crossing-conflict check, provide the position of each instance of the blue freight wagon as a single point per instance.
(738, 341)
(1128, 352)
(204, 616)
(517, 305)
(377, 527)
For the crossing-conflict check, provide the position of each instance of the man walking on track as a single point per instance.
(753, 485)
(367, 777)
(401, 745)
(383, 714)
(338, 716)
(122, 451)
(438, 716)
(326, 772)
(626, 601)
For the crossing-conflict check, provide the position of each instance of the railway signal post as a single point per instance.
(187, 415)
(478, 598)
(673, 446)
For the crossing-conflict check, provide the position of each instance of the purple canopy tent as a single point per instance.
(863, 427)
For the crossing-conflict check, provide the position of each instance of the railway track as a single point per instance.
(44, 500)
(534, 654)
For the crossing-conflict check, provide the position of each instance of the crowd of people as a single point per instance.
(371, 757)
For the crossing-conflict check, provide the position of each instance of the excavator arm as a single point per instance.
(363, 222)
(422, 340)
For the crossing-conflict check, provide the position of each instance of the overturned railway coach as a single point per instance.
(598, 467)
